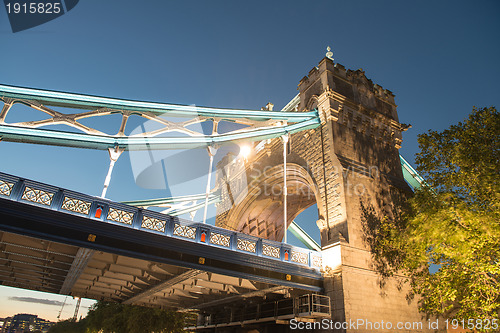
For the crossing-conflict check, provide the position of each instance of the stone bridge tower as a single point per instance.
(347, 165)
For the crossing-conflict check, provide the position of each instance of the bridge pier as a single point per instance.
(349, 166)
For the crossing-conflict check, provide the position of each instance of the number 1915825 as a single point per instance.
(33, 8)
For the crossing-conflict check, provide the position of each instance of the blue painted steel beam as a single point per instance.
(32, 221)
(411, 175)
(170, 200)
(79, 140)
(93, 226)
(303, 236)
(194, 208)
(89, 102)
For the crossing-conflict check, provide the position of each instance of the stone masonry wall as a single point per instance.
(352, 163)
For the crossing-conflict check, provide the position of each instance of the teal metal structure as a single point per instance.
(411, 175)
(261, 125)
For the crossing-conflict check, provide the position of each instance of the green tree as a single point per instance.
(452, 225)
(119, 318)
(69, 326)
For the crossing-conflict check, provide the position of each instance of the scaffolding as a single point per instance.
(310, 306)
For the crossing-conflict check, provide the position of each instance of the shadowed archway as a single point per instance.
(259, 211)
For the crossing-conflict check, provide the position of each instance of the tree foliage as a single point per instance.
(109, 317)
(69, 325)
(453, 224)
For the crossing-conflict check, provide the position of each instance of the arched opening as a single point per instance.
(260, 211)
(307, 222)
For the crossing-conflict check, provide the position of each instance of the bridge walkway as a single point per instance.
(61, 241)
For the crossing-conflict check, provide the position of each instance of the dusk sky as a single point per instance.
(439, 58)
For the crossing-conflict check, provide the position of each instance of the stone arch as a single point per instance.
(312, 103)
(260, 211)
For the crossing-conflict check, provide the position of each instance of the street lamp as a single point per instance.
(245, 151)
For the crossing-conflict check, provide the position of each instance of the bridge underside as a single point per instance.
(47, 248)
(37, 264)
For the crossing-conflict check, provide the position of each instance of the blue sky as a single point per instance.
(440, 58)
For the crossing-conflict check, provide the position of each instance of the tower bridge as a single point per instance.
(334, 145)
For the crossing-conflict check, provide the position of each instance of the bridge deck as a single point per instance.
(66, 242)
